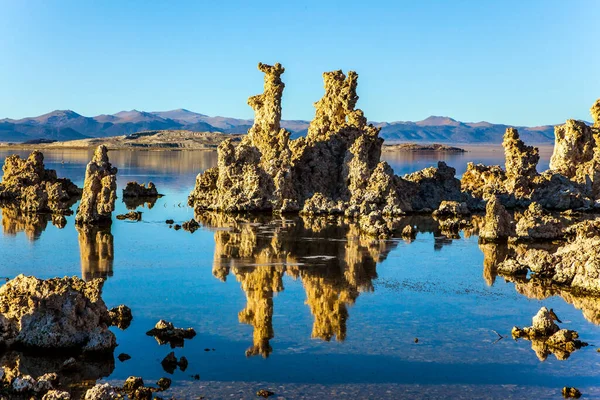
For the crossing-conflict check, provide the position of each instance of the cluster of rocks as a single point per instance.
(136, 190)
(546, 336)
(165, 332)
(35, 189)
(335, 169)
(133, 388)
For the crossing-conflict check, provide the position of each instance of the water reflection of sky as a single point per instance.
(322, 304)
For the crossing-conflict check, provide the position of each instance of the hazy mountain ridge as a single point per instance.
(69, 125)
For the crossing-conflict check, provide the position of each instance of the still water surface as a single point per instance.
(297, 305)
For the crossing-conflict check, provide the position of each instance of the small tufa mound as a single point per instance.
(170, 363)
(164, 332)
(191, 226)
(571, 393)
(134, 189)
(99, 191)
(132, 216)
(120, 316)
(546, 336)
(59, 313)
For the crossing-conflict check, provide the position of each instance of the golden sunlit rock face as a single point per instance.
(260, 251)
(96, 248)
(99, 191)
(335, 169)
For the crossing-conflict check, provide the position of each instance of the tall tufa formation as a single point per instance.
(255, 175)
(577, 151)
(335, 169)
(99, 191)
(520, 163)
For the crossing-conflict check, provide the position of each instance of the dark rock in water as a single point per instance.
(190, 226)
(132, 383)
(163, 383)
(164, 332)
(170, 363)
(134, 189)
(120, 316)
(56, 313)
(124, 357)
(99, 191)
(177, 227)
(33, 189)
(77, 376)
(132, 215)
(571, 392)
(264, 393)
(169, 222)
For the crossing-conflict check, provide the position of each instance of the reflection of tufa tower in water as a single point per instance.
(96, 250)
(260, 250)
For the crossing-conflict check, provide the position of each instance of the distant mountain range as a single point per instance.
(68, 125)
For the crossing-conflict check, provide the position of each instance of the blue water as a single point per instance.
(315, 303)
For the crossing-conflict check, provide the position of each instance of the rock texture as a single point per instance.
(498, 224)
(99, 191)
(35, 189)
(335, 169)
(54, 314)
(536, 224)
(134, 189)
(547, 337)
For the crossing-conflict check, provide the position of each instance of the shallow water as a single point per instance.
(307, 308)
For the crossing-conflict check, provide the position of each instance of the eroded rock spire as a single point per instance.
(99, 190)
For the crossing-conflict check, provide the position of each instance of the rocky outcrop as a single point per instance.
(134, 189)
(99, 191)
(520, 163)
(536, 224)
(498, 224)
(35, 189)
(56, 313)
(335, 169)
(546, 337)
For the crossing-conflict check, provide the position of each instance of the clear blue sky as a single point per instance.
(518, 62)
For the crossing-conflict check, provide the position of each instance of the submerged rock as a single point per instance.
(99, 191)
(60, 313)
(35, 189)
(132, 216)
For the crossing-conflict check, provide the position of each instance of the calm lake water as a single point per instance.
(303, 308)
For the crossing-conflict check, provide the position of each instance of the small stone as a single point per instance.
(571, 392)
(169, 222)
(102, 392)
(183, 363)
(416, 340)
(163, 383)
(124, 357)
(23, 383)
(142, 393)
(177, 227)
(56, 395)
(120, 316)
(264, 393)
(132, 383)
